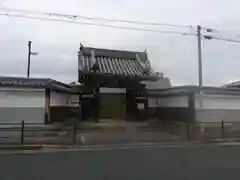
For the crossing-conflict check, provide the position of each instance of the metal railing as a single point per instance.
(64, 134)
(27, 132)
(202, 130)
(74, 133)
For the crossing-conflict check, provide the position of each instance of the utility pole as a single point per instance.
(29, 57)
(199, 57)
(199, 39)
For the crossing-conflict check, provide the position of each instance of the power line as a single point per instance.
(75, 16)
(111, 26)
(97, 24)
(210, 37)
(125, 21)
(226, 39)
(72, 17)
(232, 33)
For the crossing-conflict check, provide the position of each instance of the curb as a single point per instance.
(221, 140)
(20, 147)
(42, 146)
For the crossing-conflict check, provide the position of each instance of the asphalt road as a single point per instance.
(193, 163)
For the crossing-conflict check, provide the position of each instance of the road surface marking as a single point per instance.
(83, 139)
(229, 144)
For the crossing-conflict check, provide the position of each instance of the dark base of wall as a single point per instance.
(213, 115)
(17, 114)
(171, 113)
(62, 113)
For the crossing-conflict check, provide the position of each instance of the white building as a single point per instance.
(185, 103)
(35, 100)
(162, 83)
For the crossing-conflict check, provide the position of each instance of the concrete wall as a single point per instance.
(59, 99)
(163, 83)
(18, 104)
(208, 108)
(112, 90)
(63, 106)
(63, 99)
(74, 100)
(211, 101)
(173, 101)
(216, 108)
(214, 115)
(170, 108)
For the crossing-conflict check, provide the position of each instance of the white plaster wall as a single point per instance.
(59, 99)
(215, 115)
(112, 90)
(152, 102)
(224, 102)
(14, 97)
(74, 100)
(163, 83)
(174, 101)
(17, 104)
(216, 108)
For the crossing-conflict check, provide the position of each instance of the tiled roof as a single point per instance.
(115, 62)
(192, 88)
(34, 83)
(233, 84)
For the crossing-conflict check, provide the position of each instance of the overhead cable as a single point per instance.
(75, 16)
(96, 24)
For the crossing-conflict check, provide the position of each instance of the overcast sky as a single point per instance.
(174, 55)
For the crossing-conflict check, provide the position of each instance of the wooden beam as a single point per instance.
(47, 106)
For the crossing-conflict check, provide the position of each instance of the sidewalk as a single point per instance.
(8, 149)
(114, 125)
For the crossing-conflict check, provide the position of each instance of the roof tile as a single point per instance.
(116, 62)
(33, 83)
